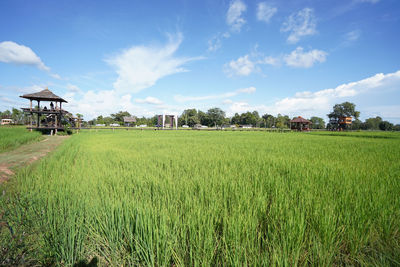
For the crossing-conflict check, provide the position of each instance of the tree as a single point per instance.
(282, 121)
(317, 123)
(17, 116)
(346, 109)
(356, 124)
(119, 117)
(396, 127)
(248, 118)
(269, 120)
(235, 119)
(203, 118)
(216, 116)
(6, 114)
(189, 117)
(372, 123)
(100, 120)
(385, 126)
(108, 120)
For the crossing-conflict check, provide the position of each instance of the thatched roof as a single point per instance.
(301, 120)
(129, 119)
(44, 95)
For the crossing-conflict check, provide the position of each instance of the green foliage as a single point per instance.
(216, 116)
(317, 123)
(282, 121)
(372, 123)
(269, 120)
(385, 126)
(13, 136)
(178, 198)
(189, 117)
(119, 117)
(346, 109)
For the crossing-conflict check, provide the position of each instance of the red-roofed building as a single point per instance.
(300, 124)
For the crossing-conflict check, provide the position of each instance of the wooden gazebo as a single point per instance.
(53, 114)
(300, 124)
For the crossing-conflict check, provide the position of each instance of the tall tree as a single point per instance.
(282, 121)
(203, 118)
(216, 116)
(119, 117)
(269, 120)
(189, 117)
(317, 123)
(372, 123)
(235, 119)
(248, 118)
(346, 109)
(17, 116)
(385, 126)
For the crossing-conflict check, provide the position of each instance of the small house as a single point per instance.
(300, 124)
(6, 121)
(129, 121)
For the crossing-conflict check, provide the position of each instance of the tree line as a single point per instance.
(216, 117)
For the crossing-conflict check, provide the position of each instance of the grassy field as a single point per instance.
(13, 136)
(165, 198)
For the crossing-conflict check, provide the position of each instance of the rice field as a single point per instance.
(13, 136)
(192, 198)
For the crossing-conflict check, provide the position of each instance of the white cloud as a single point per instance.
(234, 20)
(234, 15)
(140, 67)
(273, 61)
(215, 43)
(350, 37)
(308, 102)
(73, 88)
(353, 36)
(265, 12)
(243, 66)
(11, 52)
(31, 89)
(104, 102)
(180, 98)
(248, 90)
(300, 24)
(300, 59)
(319, 103)
(149, 100)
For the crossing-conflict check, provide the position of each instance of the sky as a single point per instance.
(293, 57)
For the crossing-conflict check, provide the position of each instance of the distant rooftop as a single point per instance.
(44, 95)
(300, 119)
(130, 119)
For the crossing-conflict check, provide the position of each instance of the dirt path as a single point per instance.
(10, 161)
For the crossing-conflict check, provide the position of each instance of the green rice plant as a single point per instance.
(193, 198)
(13, 136)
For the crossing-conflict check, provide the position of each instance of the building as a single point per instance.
(199, 126)
(48, 117)
(129, 121)
(300, 124)
(6, 121)
(345, 122)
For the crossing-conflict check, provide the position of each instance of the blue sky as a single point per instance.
(294, 57)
